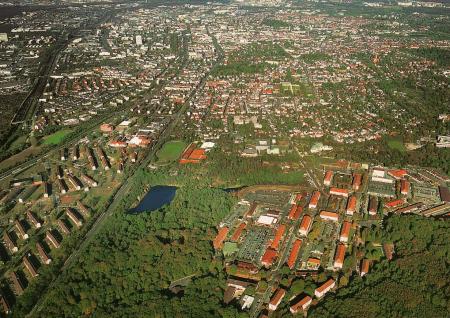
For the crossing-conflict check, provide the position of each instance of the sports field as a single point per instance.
(396, 143)
(57, 137)
(171, 151)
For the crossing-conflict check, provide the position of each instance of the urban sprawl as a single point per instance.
(92, 92)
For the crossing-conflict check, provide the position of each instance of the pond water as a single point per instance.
(155, 198)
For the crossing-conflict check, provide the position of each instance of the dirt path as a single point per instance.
(272, 187)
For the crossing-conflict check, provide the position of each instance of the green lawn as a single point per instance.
(171, 151)
(395, 143)
(57, 137)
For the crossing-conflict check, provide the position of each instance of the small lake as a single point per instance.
(156, 197)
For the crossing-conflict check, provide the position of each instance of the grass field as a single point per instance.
(57, 137)
(397, 144)
(18, 142)
(171, 151)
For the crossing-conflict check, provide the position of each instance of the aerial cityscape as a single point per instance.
(260, 158)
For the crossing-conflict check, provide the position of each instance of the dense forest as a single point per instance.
(426, 156)
(233, 170)
(415, 284)
(127, 269)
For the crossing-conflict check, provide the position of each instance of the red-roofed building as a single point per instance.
(339, 256)
(292, 211)
(356, 184)
(340, 192)
(328, 177)
(325, 288)
(218, 241)
(294, 253)
(269, 257)
(298, 212)
(301, 304)
(305, 225)
(117, 143)
(314, 200)
(238, 232)
(398, 173)
(404, 187)
(351, 205)
(331, 216)
(313, 263)
(394, 203)
(106, 128)
(365, 264)
(276, 299)
(278, 236)
(345, 231)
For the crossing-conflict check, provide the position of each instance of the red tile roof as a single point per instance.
(294, 253)
(269, 257)
(340, 253)
(365, 266)
(398, 174)
(306, 223)
(296, 307)
(325, 285)
(327, 214)
(277, 297)
(404, 187)
(351, 204)
(278, 235)
(292, 211)
(338, 191)
(238, 232)
(314, 261)
(394, 203)
(315, 198)
(356, 181)
(345, 230)
(298, 211)
(218, 241)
